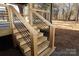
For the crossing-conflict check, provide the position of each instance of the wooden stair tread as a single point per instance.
(47, 52)
(21, 41)
(38, 30)
(18, 35)
(25, 48)
(40, 34)
(41, 40)
(35, 27)
(28, 53)
(15, 31)
(41, 26)
(43, 46)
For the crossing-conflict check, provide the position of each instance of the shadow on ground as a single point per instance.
(7, 48)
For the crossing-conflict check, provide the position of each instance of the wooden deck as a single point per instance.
(70, 25)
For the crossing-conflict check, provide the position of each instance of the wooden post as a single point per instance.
(51, 30)
(34, 47)
(10, 15)
(52, 36)
(50, 13)
(5, 13)
(30, 14)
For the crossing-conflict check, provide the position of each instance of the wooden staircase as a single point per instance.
(24, 39)
(28, 37)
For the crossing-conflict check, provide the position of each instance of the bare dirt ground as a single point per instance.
(67, 43)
